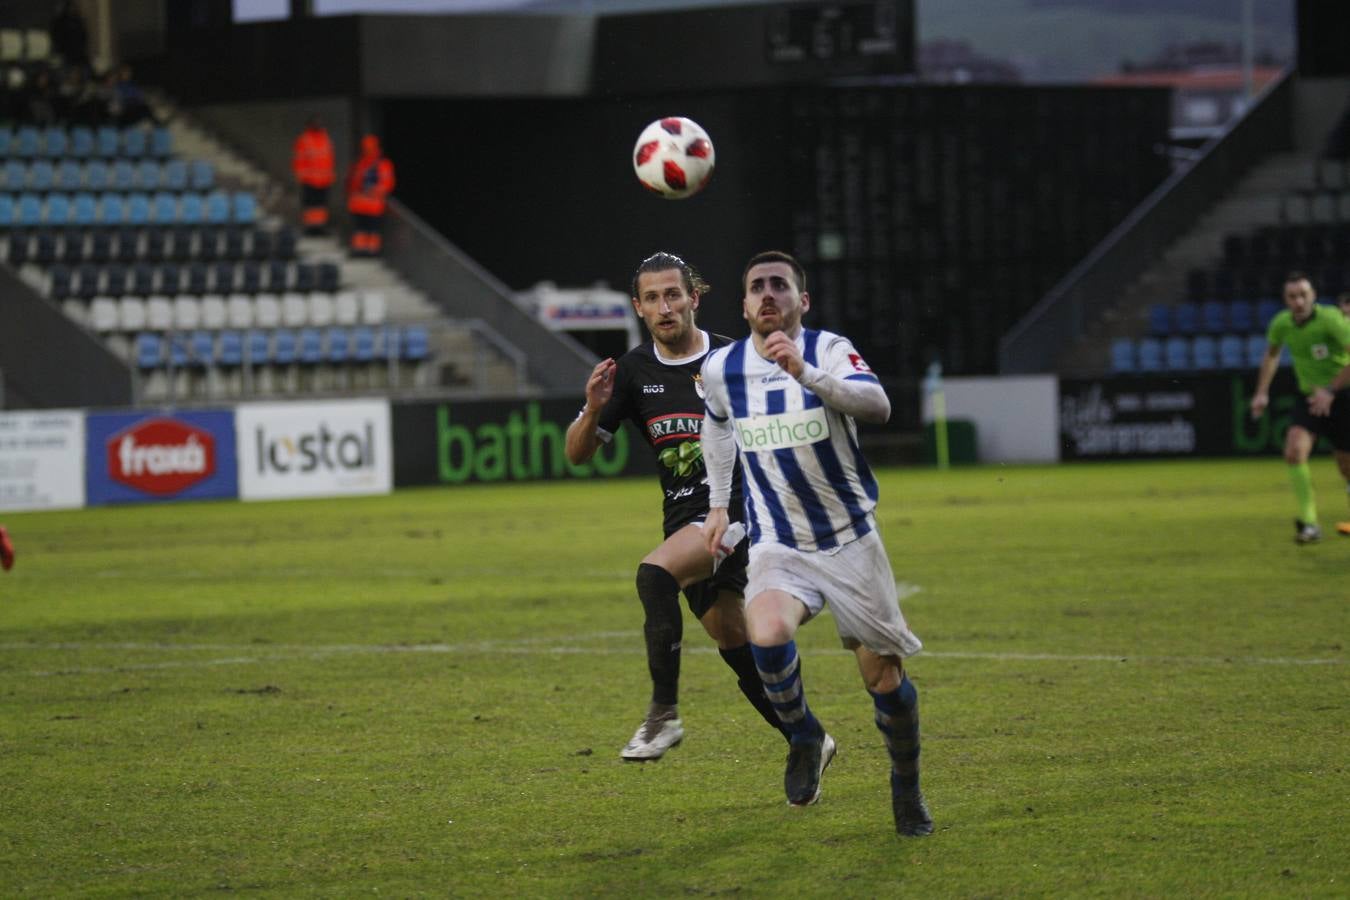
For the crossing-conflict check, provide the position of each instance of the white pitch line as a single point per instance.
(263, 654)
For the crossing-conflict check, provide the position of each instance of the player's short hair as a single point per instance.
(1343, 298)
(773, 256)
(661, 261)
(1297, 275)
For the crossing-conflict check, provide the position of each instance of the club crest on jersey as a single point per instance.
(698, 386)
(859, 365)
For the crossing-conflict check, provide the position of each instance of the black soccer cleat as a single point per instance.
(806, 762)
(912, 818)
(1306, 532)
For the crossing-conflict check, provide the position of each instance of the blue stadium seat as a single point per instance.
(217, 208)
(138, 209)
(1240, 317)
(96, 175)
(1122, 355)
(202, 176)
(134, 142)
(106, 141)
(149, 351)
(81, 141)
(7, 210)
(1204, 353)
(203, 348)
(85, 210)
(339, 345)
(1255, 349)
(1213, 317)
(193, 210)
(41, 175)
(57, 210)
(256, 345)
(6, 139)
(1159, 319)
(416, 344)
(15, 175)
(1265, 311)
(1177, 353)
(311, 346)
(27, 142)
(124, 176)
(164, 210)
(161, 141)
(29, 213)
(363, 344)
(1231, 352)
(283, 347)
(174, 175)
(68, 176)
(112, 210)
(1186, 318)
(148, 175)
(245, 208)
(230, 350)
(54, 141)
(178, 350)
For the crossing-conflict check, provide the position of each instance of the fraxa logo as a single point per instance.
(783, 430)
(523, 447)
(161, 456)
(320, 449)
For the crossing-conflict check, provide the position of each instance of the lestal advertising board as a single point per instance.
(42, 460)
(314, 449)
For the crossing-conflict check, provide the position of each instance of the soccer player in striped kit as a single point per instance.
(788, 397)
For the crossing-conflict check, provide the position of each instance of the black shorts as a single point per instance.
(313, 196)
(1335, 427)
(730, 576)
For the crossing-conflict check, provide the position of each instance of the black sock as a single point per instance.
(664, 628)
(742, 662)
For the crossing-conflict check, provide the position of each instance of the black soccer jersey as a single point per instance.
(664, 400)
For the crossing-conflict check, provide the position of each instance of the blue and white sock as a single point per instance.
(897, 717)
(780, 669)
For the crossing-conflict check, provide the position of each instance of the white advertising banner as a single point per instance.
(42, 460)
(313, 449)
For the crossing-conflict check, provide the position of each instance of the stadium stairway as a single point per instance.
(1253, 201)
(466, 356)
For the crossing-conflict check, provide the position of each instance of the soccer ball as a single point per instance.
(673, 157)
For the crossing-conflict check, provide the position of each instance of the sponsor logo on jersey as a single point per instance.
(770, 379)
(783, 430)
(161, 456)
(653, 389)
(675, 425)
(859, 365)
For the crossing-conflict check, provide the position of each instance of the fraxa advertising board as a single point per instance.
(132, 457)
(1132, 417)
(469, 442)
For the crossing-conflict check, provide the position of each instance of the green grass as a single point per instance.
(1135, 685)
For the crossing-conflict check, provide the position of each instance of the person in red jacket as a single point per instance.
(369, 184)
(6, 550)
(312, 163)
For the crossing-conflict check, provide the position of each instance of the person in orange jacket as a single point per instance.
(312, 162)
(369, 184)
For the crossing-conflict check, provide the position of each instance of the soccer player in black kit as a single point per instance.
(656, 387)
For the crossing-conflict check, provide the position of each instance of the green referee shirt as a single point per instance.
(1317, 346)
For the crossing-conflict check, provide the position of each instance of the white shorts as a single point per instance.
(855, 579)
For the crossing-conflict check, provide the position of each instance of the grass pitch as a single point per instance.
(1135, 685)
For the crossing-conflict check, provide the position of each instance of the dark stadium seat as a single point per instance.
(1213, 317)
(1150, 355)
(1177, 353)
(1231, 352)
(306, 278)
(149, 351)
(1122, 355)
(327, 276)
(1204, 353)
(1240, 317)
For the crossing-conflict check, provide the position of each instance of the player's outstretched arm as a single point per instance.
(1269, 363)
(582, 440)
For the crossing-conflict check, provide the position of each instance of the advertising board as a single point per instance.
(314, 449)
(148, 457)
(42, 460)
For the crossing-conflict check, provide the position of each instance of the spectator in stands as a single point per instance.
(312, 163)
(70, 36)
(1318, 338)
(40, 105)
(369, 184)
(129, 106)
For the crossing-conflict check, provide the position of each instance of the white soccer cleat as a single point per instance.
(653, 739)
(734, 534)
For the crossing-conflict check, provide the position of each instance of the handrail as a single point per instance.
(1061, 316)
(518, 359)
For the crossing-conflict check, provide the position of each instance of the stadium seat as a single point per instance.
(59, 282)
(346, 308)
(374, 308)
(173, 175)
(232, 244)
(306, 278)
(1204, 353)
(161, 141)
(1186, 318)
(217, 208)
(1240, 317)
(311, 347)
(339, 345)
(1231, 352)
(363, 344)
(230, 350)
(1213, 317)
(256, 351)
(1177, 353)
(187, 312)
(142, 280)
(321, 309)
(103, 314)
(195, 280)
(284, 244)
(29, 211)
(45, 247)
(1122, 355)
(84, 212)
(159, 313)
(149, 351)
(267, 310)
(41, 176)
(27, 142)
(131, 314)
(15, 175)
(112, 210)
(138, 208)
(89, 276)
(201, 175)
(250, 277)
(147, 174)
(283, 347)
(214, 312)
(68, 176)
(244, 208)
(134, 143)
(7, 210)
(294, 310)
(96, 175)
(164, 209)
(123, 177)
(1255, 349)
(170, 278)
(223, 277)
(1150, 355)
(278, 276)
(239, 311)
(1265, 311)
(192, 211)
(327, 276)
(203, 349)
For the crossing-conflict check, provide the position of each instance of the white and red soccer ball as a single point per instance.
(674, 157)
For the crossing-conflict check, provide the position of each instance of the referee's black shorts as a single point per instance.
(1335, 427)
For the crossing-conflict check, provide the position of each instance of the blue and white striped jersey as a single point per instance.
(806, 483)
